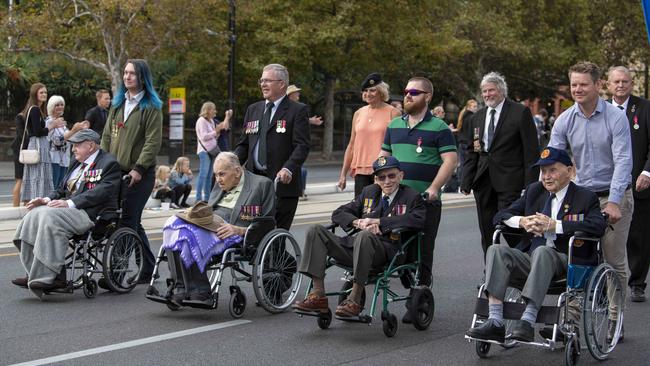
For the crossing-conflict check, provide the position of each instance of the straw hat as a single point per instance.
(292, 89)
(201, 215)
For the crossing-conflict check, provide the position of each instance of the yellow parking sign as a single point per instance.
(176, 100)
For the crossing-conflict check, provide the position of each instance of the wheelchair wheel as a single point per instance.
(123, 258)
(482, 349)
(603, 290)
(275, 271)
(237, 304)
(572, 352)
(324, 320)
(421, 307)
(347, 285)
(512, 295)
(89, 287)
(389, 325)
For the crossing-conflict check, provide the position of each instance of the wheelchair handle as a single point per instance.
(425, 196)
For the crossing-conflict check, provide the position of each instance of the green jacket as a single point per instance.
(136, 142)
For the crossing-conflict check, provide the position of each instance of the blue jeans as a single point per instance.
(58, 172)
(204, 182)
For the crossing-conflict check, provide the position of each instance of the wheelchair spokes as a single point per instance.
(123, 257)
(602, 305)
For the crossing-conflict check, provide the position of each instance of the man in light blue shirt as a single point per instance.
(598, 135)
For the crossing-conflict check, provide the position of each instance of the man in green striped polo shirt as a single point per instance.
(426, 149)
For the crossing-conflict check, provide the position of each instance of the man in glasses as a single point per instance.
(501, 153)
(275, 140)
(426, 148)
(380, 208)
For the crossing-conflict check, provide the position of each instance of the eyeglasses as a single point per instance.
(414, 92)
(266, 81)
(390, 176)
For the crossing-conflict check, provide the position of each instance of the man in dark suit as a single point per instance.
(276, 140)
(90, 186)
(620, 85)
(550, 211)
(379, 209)
(500, 153)
(96, 116)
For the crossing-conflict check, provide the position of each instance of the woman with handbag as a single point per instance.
(59, 148)
(37, 176)
(207, 149)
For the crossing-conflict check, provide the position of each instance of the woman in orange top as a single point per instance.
(369, 125)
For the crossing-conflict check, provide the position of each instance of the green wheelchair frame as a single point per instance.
(419, 301)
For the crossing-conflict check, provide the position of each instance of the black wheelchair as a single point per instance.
(585, 299)
(405, 266)
(107, 249)
(273, 255)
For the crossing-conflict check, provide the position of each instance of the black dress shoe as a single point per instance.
(103, 283)
(57, 284)
(637, 294)
(611, 329)
(20, 281)
(488, 331)
(522, 331)
(406, 319)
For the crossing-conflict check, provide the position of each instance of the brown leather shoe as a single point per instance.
(312, 303)
(348, 308)
(57, 284)
(20, 281)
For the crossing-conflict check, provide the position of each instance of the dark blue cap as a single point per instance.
(371, 80)
(384, 162)
(551, 155)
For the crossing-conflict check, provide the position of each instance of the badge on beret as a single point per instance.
(545, 153)
(381, 161)
(371, 82)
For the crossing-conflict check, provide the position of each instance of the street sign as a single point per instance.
(176, 100)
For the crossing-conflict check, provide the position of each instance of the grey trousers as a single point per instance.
(367, 253)
(614, 246)
(505, 265)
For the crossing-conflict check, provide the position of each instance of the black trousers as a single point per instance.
(432, 222)
(488, 203)
(361, 181)
(285, 210)
(181, 192)
(638, 246)
(134, 201)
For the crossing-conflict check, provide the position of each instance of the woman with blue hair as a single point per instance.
(133, 133)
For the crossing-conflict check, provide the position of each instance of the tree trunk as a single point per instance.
(328, 131)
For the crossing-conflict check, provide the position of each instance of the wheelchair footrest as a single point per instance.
(310, 313)
(159, 299)
(208, 304)
(514, 311)
(362, 318)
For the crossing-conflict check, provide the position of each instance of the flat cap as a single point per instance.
(85, 135)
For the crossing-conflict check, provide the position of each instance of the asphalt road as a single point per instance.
(134, 331)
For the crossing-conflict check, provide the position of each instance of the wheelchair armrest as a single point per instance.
(501, 229)
(584, 236)
(331, 226)
(259, 226)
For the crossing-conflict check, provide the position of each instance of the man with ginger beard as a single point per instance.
(426, 149)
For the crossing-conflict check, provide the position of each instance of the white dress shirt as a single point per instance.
(131, 102)
(257, 144)
(486, 126)
(624, 105)
(556, 205)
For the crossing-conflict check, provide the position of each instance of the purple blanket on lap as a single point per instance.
(195, 244)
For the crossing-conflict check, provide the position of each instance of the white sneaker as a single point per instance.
(174, 206)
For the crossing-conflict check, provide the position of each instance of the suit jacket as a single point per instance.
(638, 109)
(514, 150)
(93, 197)
(284, 149)
(97, 118)
(577, 201)
(407, 210)
(257, 191)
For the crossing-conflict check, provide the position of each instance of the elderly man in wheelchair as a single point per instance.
(378, 210)
(90, 186)
(549, 213)
(236, 225)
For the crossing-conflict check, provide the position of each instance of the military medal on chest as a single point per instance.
(367, 205)
(419, 148)
(477, 141)
(281, 126)
(636, 122)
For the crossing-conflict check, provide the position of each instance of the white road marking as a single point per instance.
(4, 246)
(133, 343)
